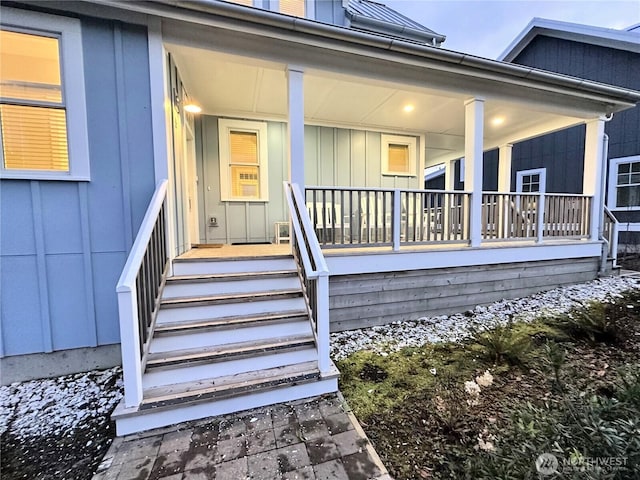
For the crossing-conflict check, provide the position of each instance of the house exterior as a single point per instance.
(145, 128)
(602, 55)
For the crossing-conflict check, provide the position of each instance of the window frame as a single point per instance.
(69, 34)
(612, 193)
(542, 181)
(412, 144)
(225, 126)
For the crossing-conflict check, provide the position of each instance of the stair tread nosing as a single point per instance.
(230, 276)
(233, 259)
(230, 322)
(234, 385)
(229, 298)
(229, 351)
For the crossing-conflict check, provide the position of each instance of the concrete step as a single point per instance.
(212, 306)
(192, 365)
(226, 323)
(216, 266)
(195, 400)
(229, 283)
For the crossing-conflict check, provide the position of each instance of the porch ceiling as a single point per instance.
(231, 85)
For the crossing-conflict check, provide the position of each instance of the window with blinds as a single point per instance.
(293, 7)
(398, 155)
(32, 108)
(243, 160)
(399, 158)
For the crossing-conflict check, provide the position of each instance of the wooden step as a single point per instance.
(196, 400)
(225, 323)
(224, 277)
(232, 298)
(229, 284)
(243, 265)
(230, 386)
(183, 358)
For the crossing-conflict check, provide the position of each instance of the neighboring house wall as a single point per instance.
(562, 152)
(333, 156)
(63, 243)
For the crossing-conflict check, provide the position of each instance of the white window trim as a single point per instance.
(410, 142)
(539, 171)
(613, 183)
(225, 125)
(72, 72)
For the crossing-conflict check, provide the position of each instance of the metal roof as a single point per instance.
(375, 16)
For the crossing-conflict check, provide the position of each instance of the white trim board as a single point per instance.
(628, 227)
(459, 257)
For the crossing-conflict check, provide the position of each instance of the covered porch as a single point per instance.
(328, 131)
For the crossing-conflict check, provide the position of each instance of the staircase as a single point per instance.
(231, 334)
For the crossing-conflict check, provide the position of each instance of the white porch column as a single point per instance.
(450, 175)
(473, 134)
(504, 168)
(593, 171)
(295, 126)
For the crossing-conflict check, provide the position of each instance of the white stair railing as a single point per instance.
(313, 271)
(610, 234)
(139, 290)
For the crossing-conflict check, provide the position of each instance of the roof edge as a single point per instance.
(619, 97)
(620, 39)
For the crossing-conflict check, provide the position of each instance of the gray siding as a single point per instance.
(357, 301)
(562, 152)
(63, 244)
(333, 156)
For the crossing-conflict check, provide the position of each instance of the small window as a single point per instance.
(531, 181)
(398, 155)
(42, 103)
(243, 160)
(624, 183)
(295, 8)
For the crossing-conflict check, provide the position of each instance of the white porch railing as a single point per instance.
(313, 271)
(610, 233)
(354, 217)
(139, 290)
(357, 217)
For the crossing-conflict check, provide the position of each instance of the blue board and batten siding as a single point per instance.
(562, 152)
(333, 157)
(63, 244)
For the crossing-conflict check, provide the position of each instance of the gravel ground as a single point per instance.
(457, 327)
(60, 428)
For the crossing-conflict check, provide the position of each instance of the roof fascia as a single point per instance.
(237, 18)
(605, 37)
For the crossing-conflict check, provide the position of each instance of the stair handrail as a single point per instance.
(312, 269)
(610, 230)
(139, 289)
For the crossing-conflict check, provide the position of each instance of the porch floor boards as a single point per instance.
(267, 250)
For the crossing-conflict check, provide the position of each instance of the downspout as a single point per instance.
(603, 183)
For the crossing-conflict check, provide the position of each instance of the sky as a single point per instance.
(486, 28)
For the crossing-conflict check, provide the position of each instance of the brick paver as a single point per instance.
(317, 439)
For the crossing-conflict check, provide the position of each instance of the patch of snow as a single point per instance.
(58, 406)
(454, 328)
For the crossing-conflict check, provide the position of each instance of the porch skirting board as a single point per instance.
(363, 300)
(21, 368)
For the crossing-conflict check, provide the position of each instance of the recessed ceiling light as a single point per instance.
(408, 108)
(192, 108)
(496, 121)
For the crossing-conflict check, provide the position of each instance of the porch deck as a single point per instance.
(269, 250)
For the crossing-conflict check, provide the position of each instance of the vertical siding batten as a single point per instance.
(87, 262)
(123, 135)
(45, 317)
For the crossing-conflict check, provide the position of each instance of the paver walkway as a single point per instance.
(315, 439)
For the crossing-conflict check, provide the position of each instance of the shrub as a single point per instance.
(504, 343)
(592, 321)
